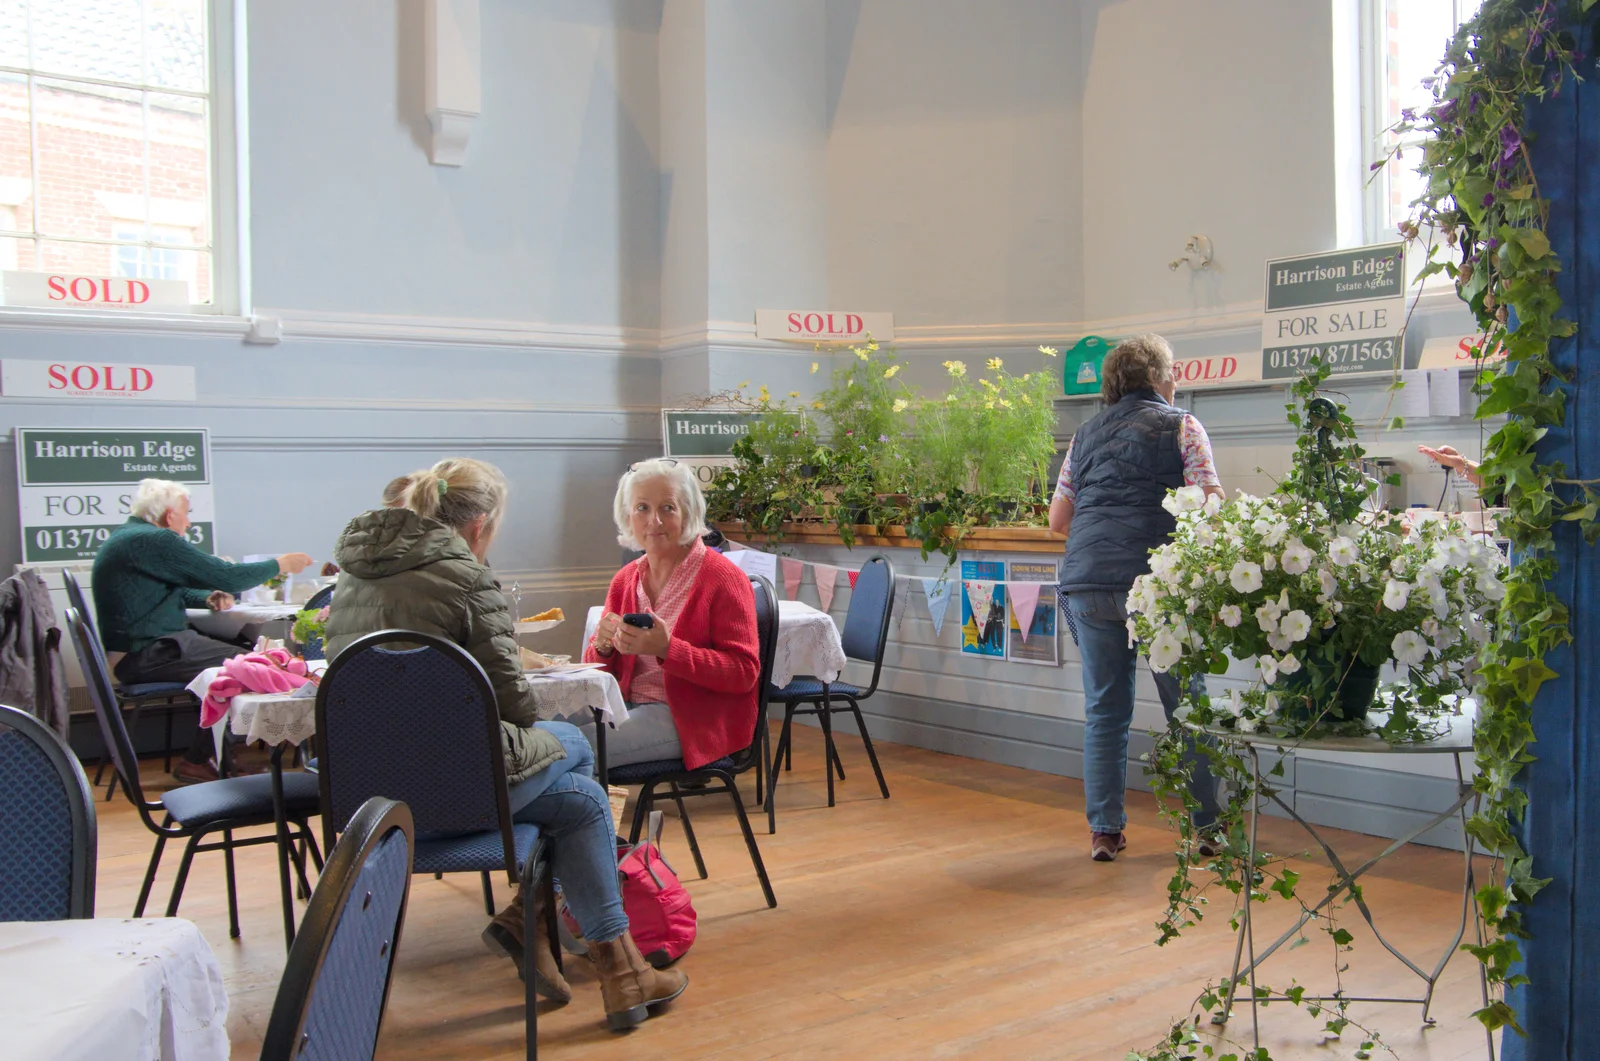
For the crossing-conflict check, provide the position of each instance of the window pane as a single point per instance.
(175, 44)
(16, 156)
(90, 38)
(13, 32)
(91, 157)
(179, 166)
(16, 253)
(151, 263)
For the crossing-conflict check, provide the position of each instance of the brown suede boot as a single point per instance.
(505, 935)
(629, 985)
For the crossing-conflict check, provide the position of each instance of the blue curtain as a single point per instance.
(1561, 1008)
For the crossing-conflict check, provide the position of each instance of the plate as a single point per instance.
(528, 626)
(566, 668)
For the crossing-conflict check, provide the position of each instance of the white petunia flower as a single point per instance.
(1272, 703)
(1230, 615)
(1296, 557)
(1165, 651)
(1478, 630)
(1204, 536)
(1289, 664)
(1278, 642)
(1235, 703)
(1272, 531)
(1133, 632)
(1269, 669)
(1267, 616)
(1269, 561)
(1213, 504)
(1491, 587)
(1343, 551)
(1409, 648)
(1327, 582)
(1245, 577)
(1296, 626)
(1395, 595)
(1190, 498)
(1248, 725)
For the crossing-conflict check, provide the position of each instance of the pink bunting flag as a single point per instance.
(792, 570)
(826, 575)
(1024, 600)
(853, 575)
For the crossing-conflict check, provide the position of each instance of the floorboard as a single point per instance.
(962, 918)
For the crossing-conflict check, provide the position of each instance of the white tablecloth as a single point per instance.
(227, 625)
(564, 695)
(808, 642)
(90, 990)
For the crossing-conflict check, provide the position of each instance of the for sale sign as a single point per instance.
(75, 486)
(1347, 307)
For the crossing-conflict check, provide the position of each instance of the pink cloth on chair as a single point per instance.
(272, 671)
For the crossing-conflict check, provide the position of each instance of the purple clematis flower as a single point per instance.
(1510, 142)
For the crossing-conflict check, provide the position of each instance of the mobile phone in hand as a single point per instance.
(643, 620)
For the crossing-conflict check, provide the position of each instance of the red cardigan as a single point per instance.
(713, 661)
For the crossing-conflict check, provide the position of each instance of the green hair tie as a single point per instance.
(444, 488)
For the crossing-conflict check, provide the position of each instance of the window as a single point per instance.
(109, 136)
(1402, 43)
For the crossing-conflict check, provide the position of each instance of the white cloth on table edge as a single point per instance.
(84, 990)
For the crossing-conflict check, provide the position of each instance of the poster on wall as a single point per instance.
(983, 608)
(75, 486)
(704, 438)
(1031, 587)
(1348, 307)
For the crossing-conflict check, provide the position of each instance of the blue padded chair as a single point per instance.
(197, 811)
(320, 599)
(717, 777)
(413, 717)
(135, 698)
(866, 631)
(336, 984)
(47, 827)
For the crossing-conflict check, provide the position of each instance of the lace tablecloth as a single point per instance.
(572, 693)
(808, 642)
(275, 718)
(225, 626)
(147, 990)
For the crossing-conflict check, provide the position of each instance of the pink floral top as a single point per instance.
(649, 680)
(1199, 467)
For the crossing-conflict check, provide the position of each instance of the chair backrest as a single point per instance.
(410, 716)
(866, 624)
(113, 730)
(336, 983)
(767, 638)
(47, 824)
(74, 593)
(320, 599)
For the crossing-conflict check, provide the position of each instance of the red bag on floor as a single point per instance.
(661, 918)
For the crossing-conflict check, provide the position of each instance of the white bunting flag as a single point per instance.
(938, 591)
(902, 597)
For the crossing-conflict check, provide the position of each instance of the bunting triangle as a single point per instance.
(827, 576)
(938, 592)
(1024, 601)
(902, 597)
(792, 570)
(852, 576)
(980, 594)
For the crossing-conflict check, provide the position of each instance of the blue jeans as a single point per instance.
(571, 809)
(1108, 680)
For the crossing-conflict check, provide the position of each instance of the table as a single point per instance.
(228, 625)
(87, 990)
(1455, 743)
(808, 642)
(284, 720)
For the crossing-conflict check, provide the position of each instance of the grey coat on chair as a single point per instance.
(32, 674)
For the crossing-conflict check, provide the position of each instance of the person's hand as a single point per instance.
(293, 563)
(605, 633)
(219, 601)
(633, 641)
(1449, 457)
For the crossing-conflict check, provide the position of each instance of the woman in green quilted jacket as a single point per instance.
(424, 567)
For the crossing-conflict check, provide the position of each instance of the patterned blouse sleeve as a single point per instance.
(1064, 480)
(1199, 467)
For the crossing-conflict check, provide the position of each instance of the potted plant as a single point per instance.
(308, 631)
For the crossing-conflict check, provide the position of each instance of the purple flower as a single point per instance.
(1510, 142)
(883, 438)
(1488, 199)
(1493, 243)
(1443, 112)
(1472, 103)
(1408, 115)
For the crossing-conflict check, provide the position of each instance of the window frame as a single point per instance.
(227, 162)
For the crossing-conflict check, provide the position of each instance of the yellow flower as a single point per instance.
(900, 405)
(849, 383)
(872, 344)
(745, 384)
(956, 368)
(862, 354)
(1049, 351)
(816, 405)
(794, 394)
(813, 368)
(950, 397)
(764, 395)
(1004, 403)
(986, 384)
(1026, 400)
(995, 363)
(988, 405)
(889, 372)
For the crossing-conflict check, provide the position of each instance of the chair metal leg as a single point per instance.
(150, 874)
(167, 766)
(183, 876)
(836, 763)
(688, 831)
(750, 841)
(438, 876)
(552, 932)
(233, 894)
(825, 716)
(530, 1004)
(866, 739)
(111, 788)
(784, 742)
(99, 771)
(311, 846)
(488, 894)
(641, 810)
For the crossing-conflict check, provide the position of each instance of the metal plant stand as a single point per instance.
(1456, 743)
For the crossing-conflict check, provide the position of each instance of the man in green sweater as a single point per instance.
(145, 576)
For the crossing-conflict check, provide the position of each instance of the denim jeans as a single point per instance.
(571, 809)
(1109, 665)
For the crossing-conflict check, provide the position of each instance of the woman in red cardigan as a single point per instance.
(690, 679)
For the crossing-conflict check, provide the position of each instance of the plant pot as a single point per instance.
(856, 516)
(928, 508)
(310, 650)
(1005, 511)
(809, 471)
(1356, 684)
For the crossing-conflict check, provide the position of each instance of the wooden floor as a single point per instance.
(961, 918)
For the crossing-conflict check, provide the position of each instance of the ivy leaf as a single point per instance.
(1534, 242)
(1342, 937)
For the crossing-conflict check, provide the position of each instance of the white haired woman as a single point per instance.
(145, 576)
(689, 676)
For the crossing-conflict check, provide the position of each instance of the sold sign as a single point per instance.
(823, 326)
(96, 379)
(75, 291)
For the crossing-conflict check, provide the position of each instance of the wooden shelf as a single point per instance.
(979, 539)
